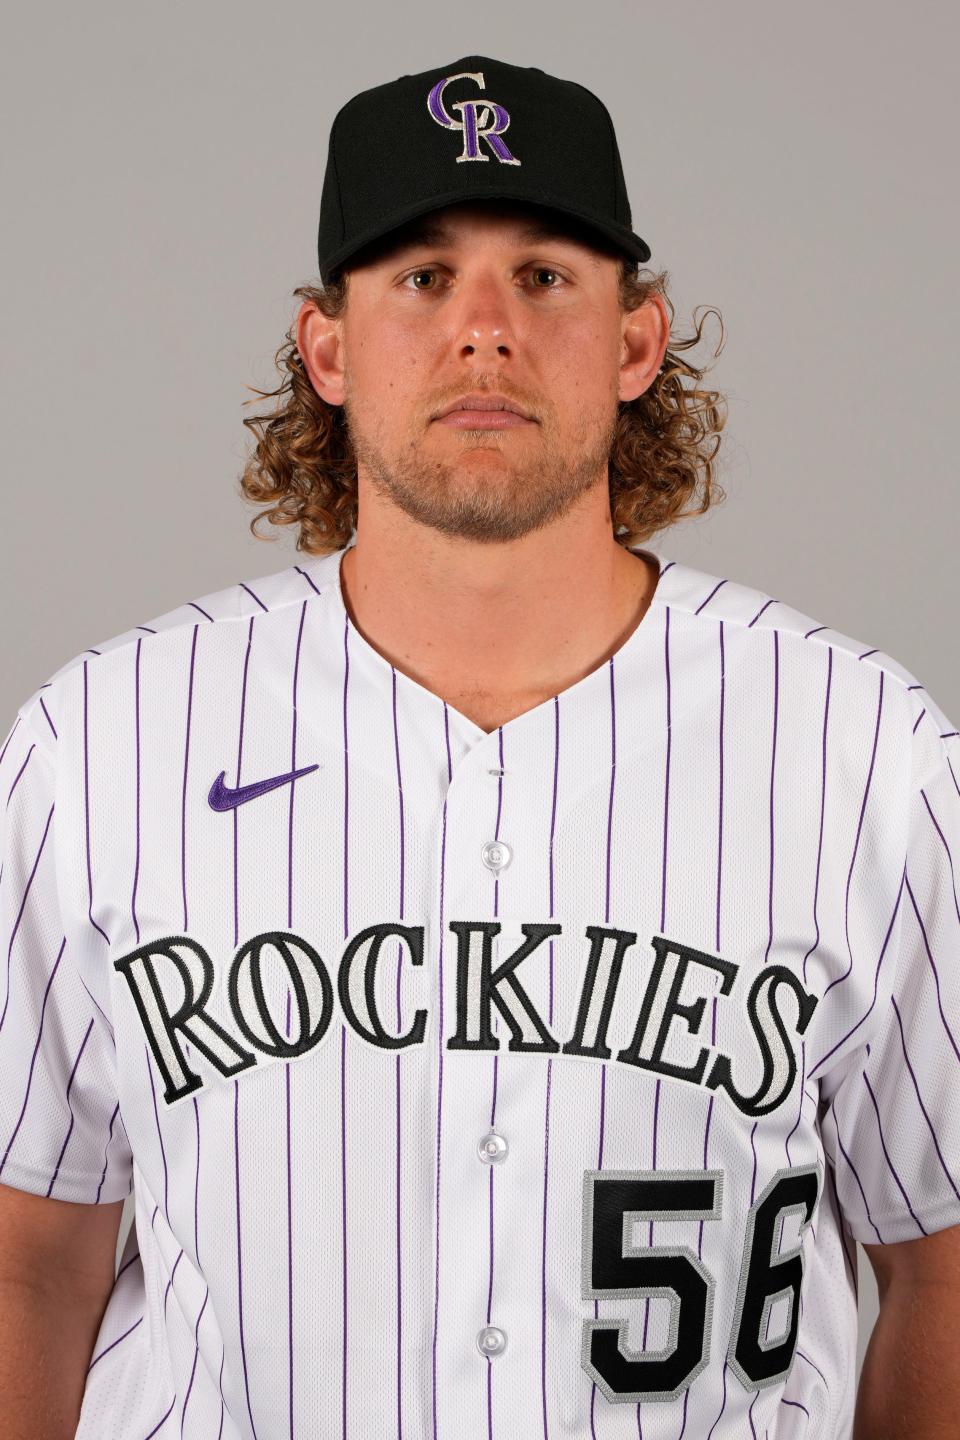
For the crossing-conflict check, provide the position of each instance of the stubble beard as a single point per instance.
(469, 500)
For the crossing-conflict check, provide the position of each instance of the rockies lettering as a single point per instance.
(481, 987)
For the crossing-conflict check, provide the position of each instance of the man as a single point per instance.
(510, 969)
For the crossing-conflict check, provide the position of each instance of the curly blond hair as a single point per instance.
(662, 466)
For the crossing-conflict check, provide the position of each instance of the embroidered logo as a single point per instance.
(480, 120)
(223, 798)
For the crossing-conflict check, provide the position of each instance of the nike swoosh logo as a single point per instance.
(221, 797)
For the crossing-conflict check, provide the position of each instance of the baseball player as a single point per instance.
(510, 969)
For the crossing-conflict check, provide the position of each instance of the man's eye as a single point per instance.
(543, 278)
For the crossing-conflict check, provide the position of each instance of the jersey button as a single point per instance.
(496, 855)
(492, 1340)
(492, 1148)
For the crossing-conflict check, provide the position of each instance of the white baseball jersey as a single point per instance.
(479, 1085)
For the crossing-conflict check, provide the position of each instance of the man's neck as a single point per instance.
(494, 650)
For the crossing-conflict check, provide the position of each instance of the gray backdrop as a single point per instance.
(161, 180)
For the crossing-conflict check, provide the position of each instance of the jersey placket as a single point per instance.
(480, 1319)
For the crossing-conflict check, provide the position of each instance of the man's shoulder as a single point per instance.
(224, 609)
(786, 633)
(718, 598)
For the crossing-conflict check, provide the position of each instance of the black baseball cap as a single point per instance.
(476, 129)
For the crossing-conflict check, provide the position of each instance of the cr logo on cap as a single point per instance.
(482, 120)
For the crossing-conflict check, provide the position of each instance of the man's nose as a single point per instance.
(484, 325)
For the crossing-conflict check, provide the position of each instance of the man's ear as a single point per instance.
(320, 342)
(645, 337)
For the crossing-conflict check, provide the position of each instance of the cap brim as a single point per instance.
(618, 235)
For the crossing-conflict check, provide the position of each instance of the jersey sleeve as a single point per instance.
(61, 1133)
(892, 1127)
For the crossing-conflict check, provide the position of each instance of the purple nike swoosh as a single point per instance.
(223, 798)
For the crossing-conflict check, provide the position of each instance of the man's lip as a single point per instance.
(476, 401)
(482, 420)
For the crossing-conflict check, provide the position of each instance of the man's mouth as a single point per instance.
(483, 411)
(483, 420)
